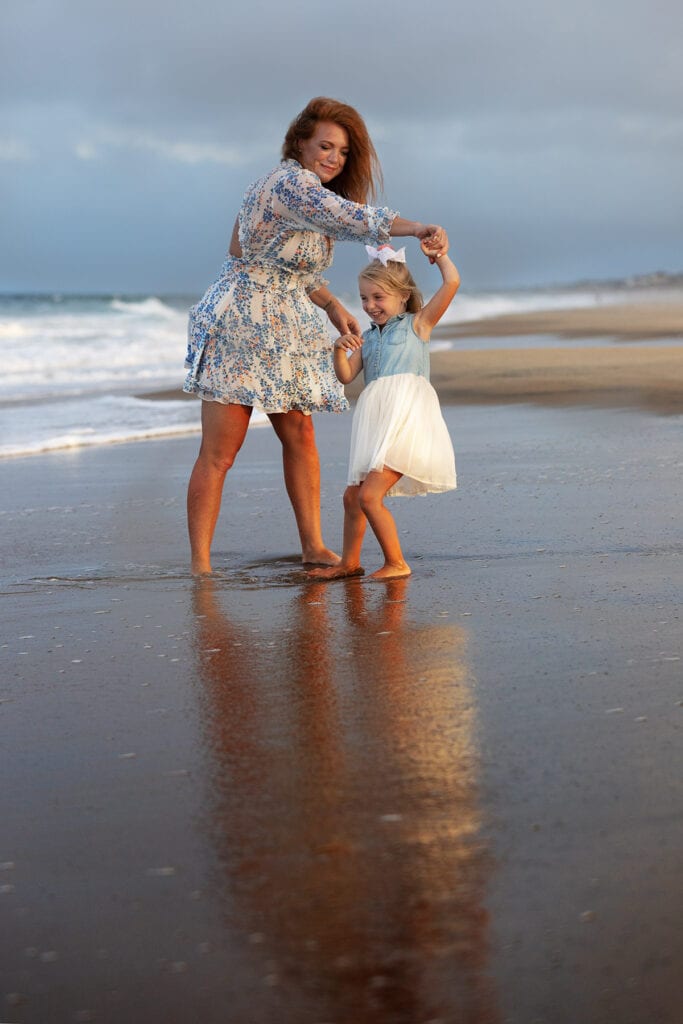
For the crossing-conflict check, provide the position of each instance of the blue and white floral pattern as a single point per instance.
(255, 338)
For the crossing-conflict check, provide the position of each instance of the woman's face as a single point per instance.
(326, 152)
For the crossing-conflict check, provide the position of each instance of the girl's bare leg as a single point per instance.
(223, 431)
(373, 491)
(302, 480)
(354, 531)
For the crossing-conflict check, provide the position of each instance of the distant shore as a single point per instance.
(628, 322)
(646, 377)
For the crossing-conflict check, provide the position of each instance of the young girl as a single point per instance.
(399, 441)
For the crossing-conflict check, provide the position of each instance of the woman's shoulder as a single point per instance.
(287, 174)
(292, 170)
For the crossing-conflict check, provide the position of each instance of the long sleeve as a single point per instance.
(300, 198)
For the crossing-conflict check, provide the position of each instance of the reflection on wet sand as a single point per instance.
(343, 806)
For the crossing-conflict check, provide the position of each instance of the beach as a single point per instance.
(450, 798)
(624, 321)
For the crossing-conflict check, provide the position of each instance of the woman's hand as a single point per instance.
(340, 318)
(433, 250)
(433, 232)
(435, 238)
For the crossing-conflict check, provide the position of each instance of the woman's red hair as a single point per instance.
(362, 175)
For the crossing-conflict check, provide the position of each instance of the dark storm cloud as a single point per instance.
(193, 61)
(539, 129)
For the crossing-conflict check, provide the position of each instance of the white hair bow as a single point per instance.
(385, 254)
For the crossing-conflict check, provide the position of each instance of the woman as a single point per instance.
(255, 340)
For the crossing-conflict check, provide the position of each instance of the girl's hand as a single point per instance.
(435, 238)
(350, 342)
(340, 318)
(434, 251)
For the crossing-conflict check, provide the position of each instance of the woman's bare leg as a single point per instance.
(224, 428)
(355, 522)
(373, 491)
(302, 480)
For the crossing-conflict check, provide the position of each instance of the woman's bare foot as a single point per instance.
(390, 571)
(336, 572)
(201, 568)
(320, 556)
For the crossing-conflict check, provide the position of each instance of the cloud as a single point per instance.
(14, 151)
(212, 63)
(181, 151)
(548, 136)
(645, 132)
(86, 151)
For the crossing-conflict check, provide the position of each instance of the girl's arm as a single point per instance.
(430, 314)
(347, 367)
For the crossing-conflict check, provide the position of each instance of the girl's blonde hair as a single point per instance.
(361, 177)
(395, 277)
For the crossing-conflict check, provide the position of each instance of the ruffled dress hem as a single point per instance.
(397, 424)
(242, 397)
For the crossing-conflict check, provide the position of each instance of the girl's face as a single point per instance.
(379, 304)
(326, 152)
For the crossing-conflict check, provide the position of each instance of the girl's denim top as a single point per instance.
(394, 349)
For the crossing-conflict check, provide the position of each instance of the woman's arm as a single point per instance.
(339, 316)
(430, 314)
(431, 233)
(347, 367)
(305, 202)
(301, 199)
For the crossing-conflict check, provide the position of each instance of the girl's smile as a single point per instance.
(380, 306)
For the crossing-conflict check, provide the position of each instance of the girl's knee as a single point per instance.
(351, 502)
(368, 500)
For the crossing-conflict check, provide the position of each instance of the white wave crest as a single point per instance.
(143, 307)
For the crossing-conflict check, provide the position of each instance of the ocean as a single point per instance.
(76, 368)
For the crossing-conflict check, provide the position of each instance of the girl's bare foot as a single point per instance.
(390, 572)
(320, 556)
(336, 572)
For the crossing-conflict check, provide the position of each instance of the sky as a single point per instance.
(546, 137)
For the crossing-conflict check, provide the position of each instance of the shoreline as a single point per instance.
(646, 376)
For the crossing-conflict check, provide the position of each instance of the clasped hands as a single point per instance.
(433, 242)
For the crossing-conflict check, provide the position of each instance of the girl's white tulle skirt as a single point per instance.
(398, 424)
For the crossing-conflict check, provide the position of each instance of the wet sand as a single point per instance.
(454, 798)
(631, 321)
(638, 377)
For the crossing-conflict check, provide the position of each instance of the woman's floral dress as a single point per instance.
(255, 338)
